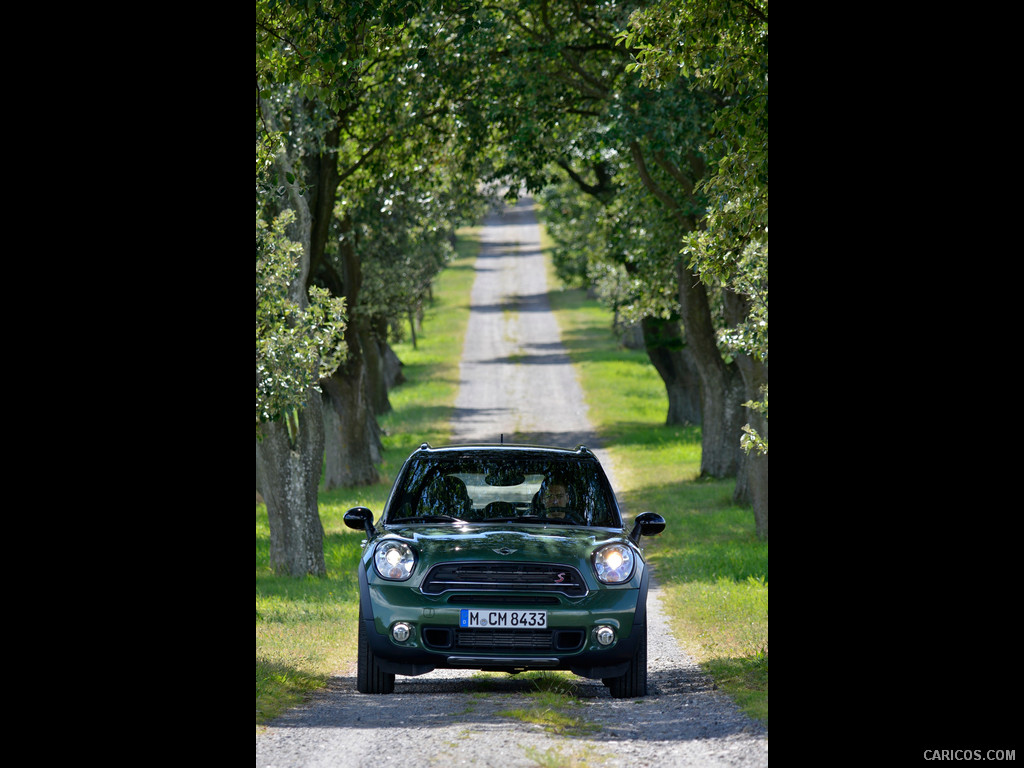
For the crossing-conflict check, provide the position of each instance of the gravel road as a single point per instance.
(517, 383)
(515, 378)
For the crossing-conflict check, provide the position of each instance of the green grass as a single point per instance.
(306, 628)
(712, 568)
(554, 757)
(554, 712)
(553, 704)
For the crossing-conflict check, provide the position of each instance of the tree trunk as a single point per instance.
(631, 336)
(290, 454)
(373, 344)
(757, 479)
(673, 361)
(393, 375)
(721, 384)
(348, 389)
(722, 412)
(331, 477)
(357, 438)
(412, 327)
(288, 466)
(754, 489)
(752, 479)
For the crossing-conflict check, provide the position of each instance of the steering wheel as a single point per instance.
(568, 514)
(499, 509)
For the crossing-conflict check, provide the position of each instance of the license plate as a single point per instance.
(471, 617)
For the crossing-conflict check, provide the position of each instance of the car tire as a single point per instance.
(634, 683)
(370, 676)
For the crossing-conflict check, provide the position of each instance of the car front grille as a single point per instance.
(480, 639)
(531, 601)
(547, 640)
(536, 578)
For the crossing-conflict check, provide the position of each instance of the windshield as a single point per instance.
(502, 488)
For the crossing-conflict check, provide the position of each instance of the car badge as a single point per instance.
(560, 579)
(505, 551)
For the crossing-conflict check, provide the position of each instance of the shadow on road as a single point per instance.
(537, 302)
(676, 708)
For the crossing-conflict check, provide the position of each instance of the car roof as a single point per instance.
(580, 451)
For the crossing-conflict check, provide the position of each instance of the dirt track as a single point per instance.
(516, 382)
(516, 379)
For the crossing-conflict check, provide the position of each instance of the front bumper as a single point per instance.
(436, 640)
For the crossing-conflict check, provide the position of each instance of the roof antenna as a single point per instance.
(502, 438)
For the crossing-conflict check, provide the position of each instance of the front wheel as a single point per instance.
(370, 677)
(634, 682)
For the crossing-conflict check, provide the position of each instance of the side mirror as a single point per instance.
(361, 519)
(646, 524)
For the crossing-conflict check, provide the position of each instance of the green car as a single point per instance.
(503, 558)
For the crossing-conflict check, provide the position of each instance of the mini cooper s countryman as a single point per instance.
(503, 558)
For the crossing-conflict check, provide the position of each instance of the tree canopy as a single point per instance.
(642, 126)
(723, 45)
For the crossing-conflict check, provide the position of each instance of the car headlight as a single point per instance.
(394, 560)
(614, 563)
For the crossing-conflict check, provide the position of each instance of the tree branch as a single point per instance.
(654, 188)
(755, 11)
(602, 191)
(674, 171)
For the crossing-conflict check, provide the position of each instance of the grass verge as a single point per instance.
(306, 628)
(711, 567)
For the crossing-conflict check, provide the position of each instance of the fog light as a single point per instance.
(401, 632)
(605, 635)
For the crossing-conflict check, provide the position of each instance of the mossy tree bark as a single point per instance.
(288, 461)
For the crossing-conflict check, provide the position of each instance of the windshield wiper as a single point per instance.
(427, 519)
(531, 519)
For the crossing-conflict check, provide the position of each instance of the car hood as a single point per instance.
(527, 543)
